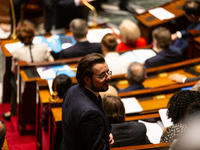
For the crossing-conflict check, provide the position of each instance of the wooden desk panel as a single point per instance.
(148, 22)
(160, 146)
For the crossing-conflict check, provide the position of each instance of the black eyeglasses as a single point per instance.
(105, 75)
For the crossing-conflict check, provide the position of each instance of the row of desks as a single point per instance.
(35, 90)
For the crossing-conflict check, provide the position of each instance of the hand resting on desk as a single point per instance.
(177, 77)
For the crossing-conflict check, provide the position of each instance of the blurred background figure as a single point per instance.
(130, 36)
(29, 53)
(116, 63)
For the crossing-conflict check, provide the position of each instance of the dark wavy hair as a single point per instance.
(114, 109)
(179, 103)
(192, 7)
(85, 66)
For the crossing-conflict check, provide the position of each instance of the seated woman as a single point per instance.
(29, 53)
(124, 133)
(130, 36)
(177, 109)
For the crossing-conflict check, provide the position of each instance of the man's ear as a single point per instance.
(87, 80)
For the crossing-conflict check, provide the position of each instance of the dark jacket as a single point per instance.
(80, 49)
(181, 44)
(163, 58)
(129, 133)
(85, 124)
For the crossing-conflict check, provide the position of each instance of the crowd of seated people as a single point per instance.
(170, 48)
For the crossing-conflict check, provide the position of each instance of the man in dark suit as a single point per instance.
(161, 41)
(136, 75)
(79, 29)
(84, 122)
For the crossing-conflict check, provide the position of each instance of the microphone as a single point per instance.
(94, 11)
(14, 36)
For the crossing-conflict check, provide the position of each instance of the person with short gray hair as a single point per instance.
(136, 75)
(79, 30)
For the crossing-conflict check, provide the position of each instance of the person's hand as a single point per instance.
(177, 77)
(111, 140)
(174, 36)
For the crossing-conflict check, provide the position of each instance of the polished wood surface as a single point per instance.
(5, 145)
(160, 146)
(193, 44)
(148, 22)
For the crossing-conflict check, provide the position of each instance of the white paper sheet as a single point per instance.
(96, 35)
(163, 115)
(154, 131)
(144, 54)
(161, 13)
(131, 105)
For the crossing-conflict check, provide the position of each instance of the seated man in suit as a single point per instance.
(79, 29)
(125, 133)
(180, 38)
(161, 42)
(136, 75)
(115, 62)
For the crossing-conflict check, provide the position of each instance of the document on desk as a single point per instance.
(154, 131)
(131, 105)
(50, 72)
(163, 115)
(96, 35)
(161, 13)
(140, 55)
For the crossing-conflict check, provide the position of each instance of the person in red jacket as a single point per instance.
(130, 36)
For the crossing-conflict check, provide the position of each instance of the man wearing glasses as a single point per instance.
(84, 121)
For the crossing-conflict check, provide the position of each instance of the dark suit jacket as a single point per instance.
(65, 11)
(192, 79)
(129, 133)
(163, 58)
(85, 124)
(80, 49)
(132, 88)
(181, 44)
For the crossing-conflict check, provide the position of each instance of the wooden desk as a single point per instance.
(147, 22)
(156, 79)
(160, 146)
(27, 89)
(150, 108)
